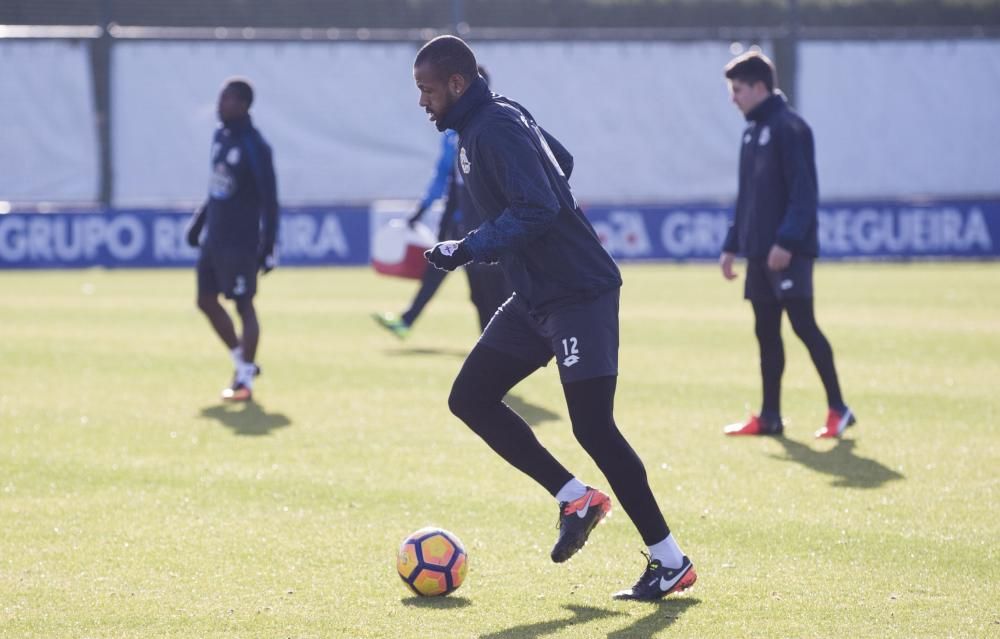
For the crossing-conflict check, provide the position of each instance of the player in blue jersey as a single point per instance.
(236, 228)
(775, 225)
(487, 287)
(565, 304)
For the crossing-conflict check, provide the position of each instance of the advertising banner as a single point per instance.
(341, 235)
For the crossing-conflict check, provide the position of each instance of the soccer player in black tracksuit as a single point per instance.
(565, 304)
(488, 287)
(240, 222)
(775, 227)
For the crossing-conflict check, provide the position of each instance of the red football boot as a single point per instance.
(754, 426)
(836, 423)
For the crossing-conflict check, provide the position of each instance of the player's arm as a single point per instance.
(515, 167)
(795, 146)
(196, 224)
(442, 176)
(512, 165)
(262, 167)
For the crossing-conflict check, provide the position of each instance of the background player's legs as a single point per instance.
(591, 406)
(477, 399)
(251, 328)
(767, 326)
(429, 285)
(802, 315)
(219, 319)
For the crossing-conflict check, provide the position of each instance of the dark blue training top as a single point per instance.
(778, 194)
(242, 205)
(517, 177)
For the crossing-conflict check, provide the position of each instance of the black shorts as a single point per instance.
(583, 336)
(231, 273)
(765, 285)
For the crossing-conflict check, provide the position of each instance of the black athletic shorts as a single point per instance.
(231, 273)
(765, 285)
(582, 336)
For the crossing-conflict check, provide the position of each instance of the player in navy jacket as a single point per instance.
(565, 304)
(488, 287)
(775, 226)
(236, 228)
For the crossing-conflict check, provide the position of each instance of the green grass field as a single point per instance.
(134, 504)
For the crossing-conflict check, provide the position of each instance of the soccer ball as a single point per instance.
(432, 562)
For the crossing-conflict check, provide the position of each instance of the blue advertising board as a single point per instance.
(848, 230)
(325, 236)
(341, 235)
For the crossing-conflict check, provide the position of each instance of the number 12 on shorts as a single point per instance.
(571, 354)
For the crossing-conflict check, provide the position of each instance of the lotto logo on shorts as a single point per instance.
(571, 352)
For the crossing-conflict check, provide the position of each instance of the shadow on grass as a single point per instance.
(662, 614)
(581, 615)
(443, 352)
(532, 413)
(246, 418)
(841, 463)
(439, 603)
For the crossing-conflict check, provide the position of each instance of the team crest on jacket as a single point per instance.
(464, 161)
(765, 136)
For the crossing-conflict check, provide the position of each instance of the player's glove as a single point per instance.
(449, 255)
(267, 261)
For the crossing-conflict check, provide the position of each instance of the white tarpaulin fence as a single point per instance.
(48, 125)
(646, 121)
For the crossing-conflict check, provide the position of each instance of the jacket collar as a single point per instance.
(461, 112)
(238, 125)
(767, 108)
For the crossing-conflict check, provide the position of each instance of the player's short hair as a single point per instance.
(241, 87)
(752, 67)
(449, 55)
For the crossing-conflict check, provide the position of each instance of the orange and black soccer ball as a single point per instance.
(432, 562)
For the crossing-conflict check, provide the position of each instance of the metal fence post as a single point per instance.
(100, 57)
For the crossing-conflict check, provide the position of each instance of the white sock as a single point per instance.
(245, 373)
(237, 355)
(574, 489)
(667, 552)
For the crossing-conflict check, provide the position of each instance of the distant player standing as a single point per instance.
(775, 227)
(565, 305)
(240, 222)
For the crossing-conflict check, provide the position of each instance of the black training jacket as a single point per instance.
(517, 177)
(778, 194)
(242, 207)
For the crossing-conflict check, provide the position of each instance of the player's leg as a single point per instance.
(585, 340)
(399, 325)
(208, 303)
(429, 285)
(477, 399)
(761, 292)
(801, 313)
(239, 277)
(220, 320)
(767, 328)
(591, 404)
(250, 336)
